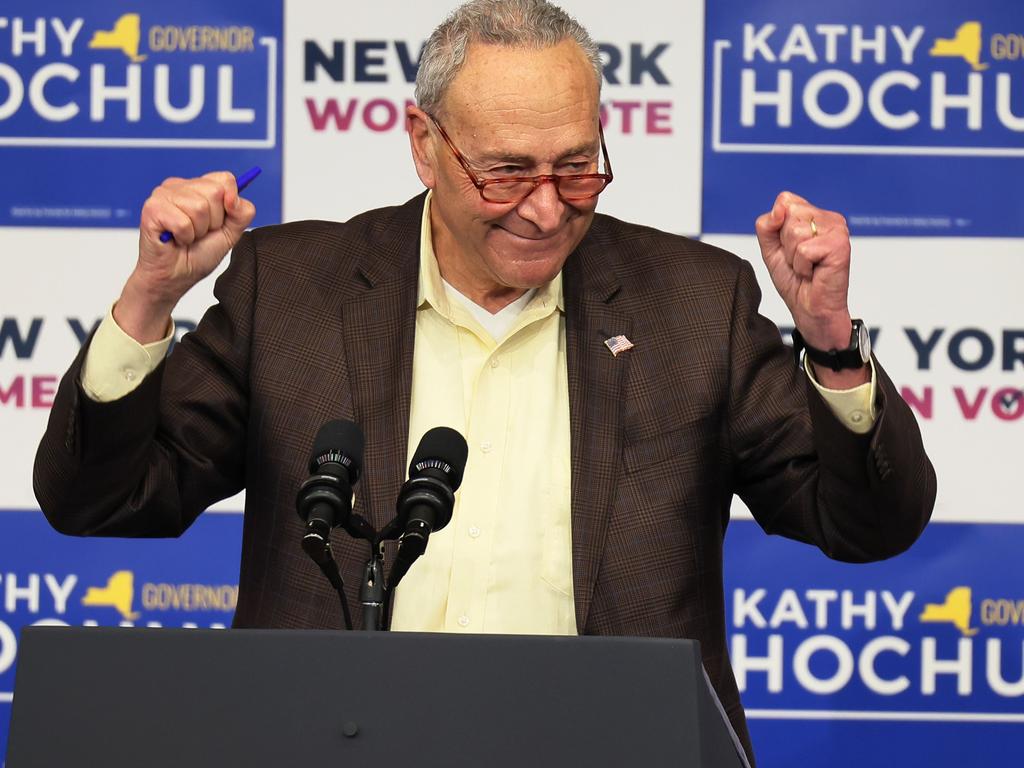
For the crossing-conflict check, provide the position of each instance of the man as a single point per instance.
(600, 476)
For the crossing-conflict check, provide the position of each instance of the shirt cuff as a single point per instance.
(115, 363)
(856, 407)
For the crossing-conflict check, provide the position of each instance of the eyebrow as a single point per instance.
(491, 157)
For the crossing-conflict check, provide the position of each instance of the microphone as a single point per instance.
(325, 499)
(427, 498)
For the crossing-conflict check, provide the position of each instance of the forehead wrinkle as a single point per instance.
(507, 129)
(500, 118)
(515, 96)
(513, 154)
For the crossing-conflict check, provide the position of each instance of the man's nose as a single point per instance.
(543, 207)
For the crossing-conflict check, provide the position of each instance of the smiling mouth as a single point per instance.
(527, 237)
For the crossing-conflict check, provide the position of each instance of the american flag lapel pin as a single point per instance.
(617, 344)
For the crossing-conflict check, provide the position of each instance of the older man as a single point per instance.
(601, 472)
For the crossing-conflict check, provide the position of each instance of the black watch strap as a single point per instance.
(851, 358)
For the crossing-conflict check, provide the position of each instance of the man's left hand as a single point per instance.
(807, 252)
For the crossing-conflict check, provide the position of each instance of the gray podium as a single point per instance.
(160, 697)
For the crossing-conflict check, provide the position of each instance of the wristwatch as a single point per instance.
(853, 357)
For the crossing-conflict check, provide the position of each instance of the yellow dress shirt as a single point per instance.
(504, 562)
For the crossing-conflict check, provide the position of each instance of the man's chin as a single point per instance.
(531, 274)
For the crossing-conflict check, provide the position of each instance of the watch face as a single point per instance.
(864, 342)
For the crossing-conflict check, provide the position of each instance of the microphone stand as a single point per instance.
(372, 591)
(376, 592)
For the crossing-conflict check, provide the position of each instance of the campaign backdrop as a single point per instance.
(907, 115)
(350, 70)
(99, 103)
(908, 118)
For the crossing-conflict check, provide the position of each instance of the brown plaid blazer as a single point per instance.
(316, 321)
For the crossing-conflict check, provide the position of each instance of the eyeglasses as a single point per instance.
(514, 189)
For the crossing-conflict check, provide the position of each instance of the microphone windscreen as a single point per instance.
(444, 449)
(341, 442)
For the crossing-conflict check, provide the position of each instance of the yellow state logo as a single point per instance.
(119, 593)
(956, 610)
(123, 37)
(966, 44)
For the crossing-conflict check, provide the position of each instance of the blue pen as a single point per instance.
(244, 181)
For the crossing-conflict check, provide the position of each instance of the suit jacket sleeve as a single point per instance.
(800, 471)
(149, 463)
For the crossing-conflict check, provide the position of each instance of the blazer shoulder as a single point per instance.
(653, 260)
(311, 239)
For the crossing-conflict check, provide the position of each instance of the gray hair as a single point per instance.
(509, 23)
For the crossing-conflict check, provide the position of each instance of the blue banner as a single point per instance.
(907, 117)
(916, 661)
(99, 103)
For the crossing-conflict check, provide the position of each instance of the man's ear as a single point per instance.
(421, 142)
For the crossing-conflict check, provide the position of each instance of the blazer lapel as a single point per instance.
(596, 381)
(379, 328)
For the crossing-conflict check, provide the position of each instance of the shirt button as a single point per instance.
(494, 362)
(463, 621)
(474, 531)
(486, 446)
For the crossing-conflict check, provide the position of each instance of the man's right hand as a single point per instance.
(206, 216)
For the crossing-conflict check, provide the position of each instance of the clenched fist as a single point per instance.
(807, 252)
(206, 217)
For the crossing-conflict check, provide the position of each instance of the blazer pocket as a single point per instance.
(651, 451)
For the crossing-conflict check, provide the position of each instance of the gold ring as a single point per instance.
(814, 229)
